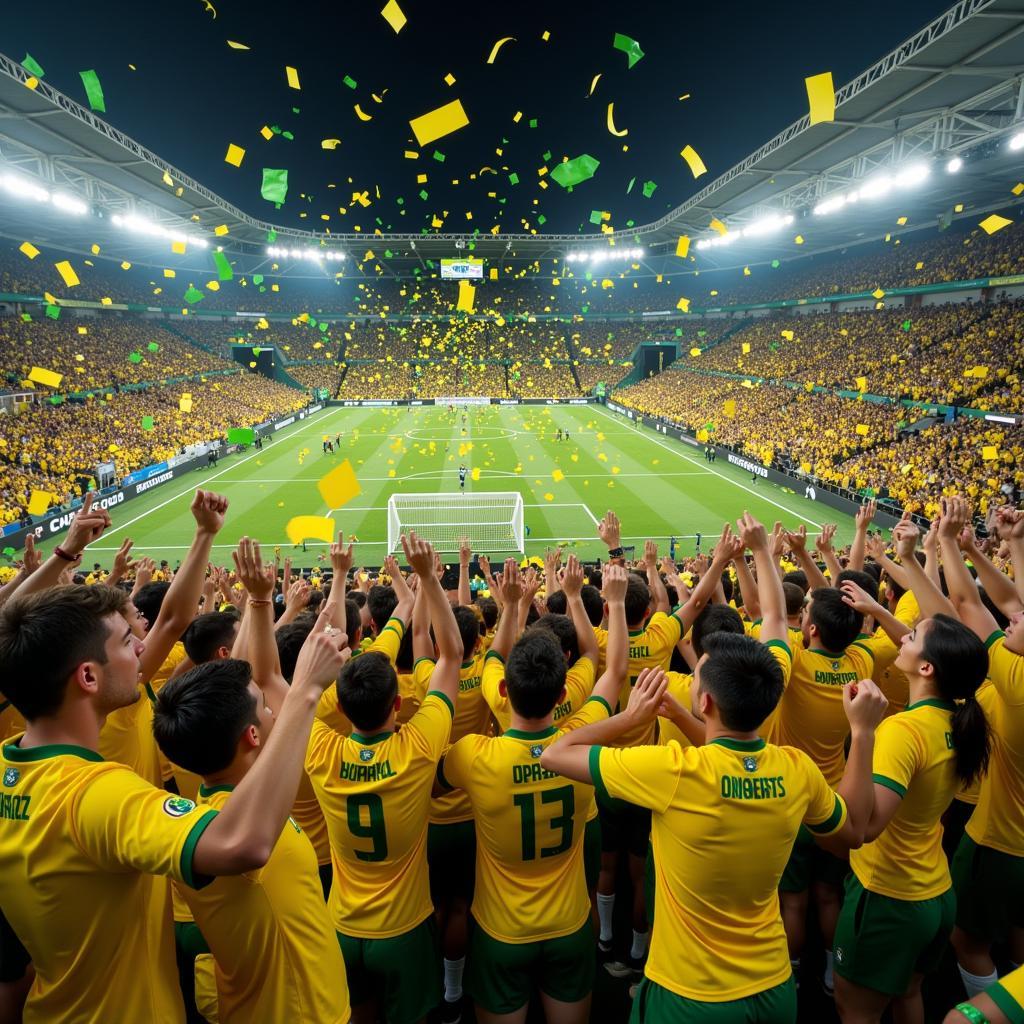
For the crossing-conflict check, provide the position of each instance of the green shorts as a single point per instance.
(403, 972)
(451, 858)
(189, 938)
(989, 888)
(592, 852)
(624, 825)
(501, 976)
(656, 1005)
(808, 862)
(882, 942)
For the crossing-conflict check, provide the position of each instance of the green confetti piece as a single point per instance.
(32, 66)
(541, 219)
(56, 399)
(700, 334)
(388, 254)
(93, 90)
(906, 325)
(193, 295)
(148, 423)
(295, 110)
(630, 47)
(257, 279)
(53, 312)
(776, 264)
(679, 332)
(322, 327)
(275, 184)
(439, 156)
(533, 122)
(650, 187)
(547, 156)
(423, 194)
(223, 265)
(288, 135)
(241, 435)
(595, 216)
(27, 317)
(572, 172)
(629, 187)
(350, 82)
(271, 236)
(135, 357)
(153, 347)
(513, 178)
(8, 553)
(585, 309)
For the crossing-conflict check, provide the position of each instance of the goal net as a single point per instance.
(493, 521)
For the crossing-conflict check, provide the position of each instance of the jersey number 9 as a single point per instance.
(373, 830)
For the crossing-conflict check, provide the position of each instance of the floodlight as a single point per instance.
(1017, 141)
(954, 165)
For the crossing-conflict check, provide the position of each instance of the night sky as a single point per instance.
(742, 64)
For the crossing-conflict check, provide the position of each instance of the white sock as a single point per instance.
(453, 979)
(605, 909)
(830, 961)
(639, 947)
(976, 983)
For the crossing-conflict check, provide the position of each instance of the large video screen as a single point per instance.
(455, 269)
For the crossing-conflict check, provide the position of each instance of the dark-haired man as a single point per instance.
(210, 637)
(531, 906)
(79, 856)
(374, 787)
(724, 819)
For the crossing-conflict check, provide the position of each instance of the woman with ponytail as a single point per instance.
(900, 907)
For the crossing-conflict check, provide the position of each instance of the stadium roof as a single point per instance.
(954, 88)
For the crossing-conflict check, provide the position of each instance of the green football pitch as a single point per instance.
(658, 487)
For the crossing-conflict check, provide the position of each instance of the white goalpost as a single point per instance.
(493, 520)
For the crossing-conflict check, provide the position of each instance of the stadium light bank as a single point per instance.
(600, 255)
(142, 226)
(279, 252)
(25, 189)
(877, 187)
(755, 229)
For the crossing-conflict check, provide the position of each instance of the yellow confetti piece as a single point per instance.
(67, 272)
(558, 476)
(39, 502)
(236, 46)
(330, 143)
(901, 221)
(497, 46)
(991, 224)
(108, 301)
(293, 78)
(167, 179)
(29, 250)
(439, 123)
(862, 383)
(545, 35)
(611, 122)
(718, 226)
(959, 208)
(593, 85)
(821, 97)
(83, 330)
(339, 486)
(31, 82)
(266, 133)
(220, 229)
(729, 408)
(394, 16)
(214, 286)
(683, 246)
(467, 294)
(694, 351)
(684, 305)
(990, 452)
(302, 528)
(170, 273)
(178, 247)
(476, 473)
(799, 239)
(549, 496)
(449, 79)
(235, 155)
(696, 165)
(48, 378)
(1018, 189)
(862, 429)
(878, 293)
(746, 348)
(359, 113)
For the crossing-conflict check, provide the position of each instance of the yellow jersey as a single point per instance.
(375, 795)
(310, 818)
(1008, 994)
(472, 715)
(174, 658)
(81, 841)
(276, 955)
(810, 715)
(579, 684)
(998, 819)
(914, 757)
(725, 816)
(650, 647)
(891, 680)
(530, 883)
(127, 738)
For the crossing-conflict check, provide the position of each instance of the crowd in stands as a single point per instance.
(924, 354)
(56, 448)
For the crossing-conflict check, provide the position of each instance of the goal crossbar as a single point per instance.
(491, 521)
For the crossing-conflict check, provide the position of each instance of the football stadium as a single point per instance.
(512, 515)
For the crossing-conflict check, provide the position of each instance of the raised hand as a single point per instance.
(258, 579)
(465, 551)
(208, 510)
(824, 541)
(647, 695)
(875, 546)
(727, 548)
(322, 656)
(858, 598)
(31, 559)
(613, 583)
(122, 560)
(341, 557)
(777, 541)
(419, 554)
(609, 530)
(752, 533)
(904, 538)
(953, 518)
(797, 539)
(650, 554)
(866, 514)
(144, 569)
(509, 582)
(864, 704)
(85, 528)
(572, 577)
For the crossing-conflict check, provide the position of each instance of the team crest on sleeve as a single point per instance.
(365, 754)
(11, 776)
(178, 806)
(750, 764)
(536, 750)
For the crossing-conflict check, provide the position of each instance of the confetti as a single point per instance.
(572, 172)
(989, 452)
(275, 184)
(683, 246)
(497, 46)
(67, 272)
(93, 90)
(39, 502)
(236, 46)
(467, 294)
(718, 226)
(48, 378)
(340, 486)
(696, 165)
(990, 225)
(302, 528)
(611, 122)
(593, 84)
(438, 123)
(234, 155)
(630, 47)
(293, 78)
(330, 143)
(821, 98)
(148, 423)
(361, 114)
(33, 66)
(29, 250)
(394, 16)
(241, 435)
(684, 305)
(184, 404)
